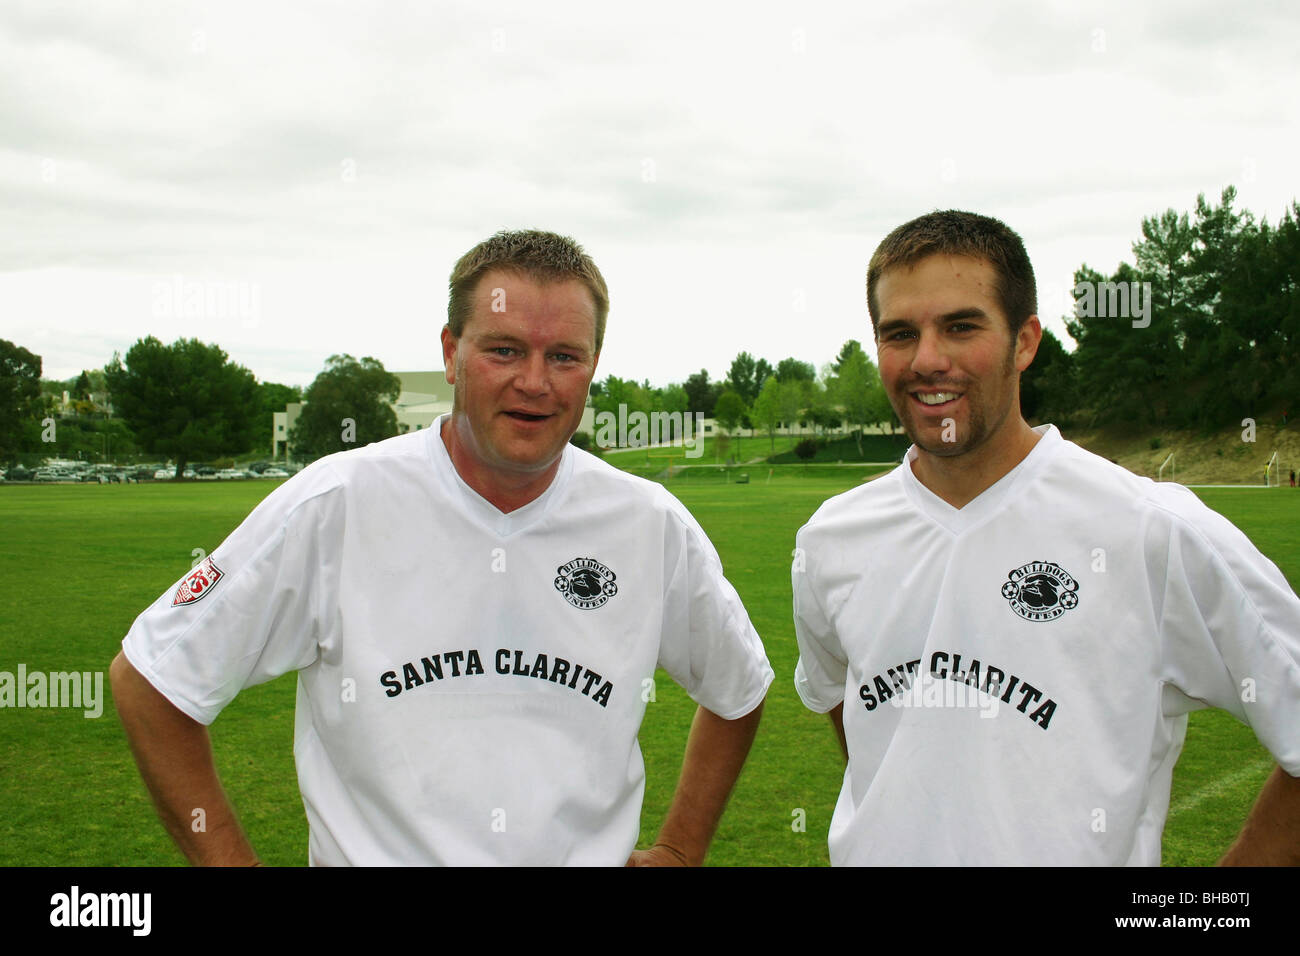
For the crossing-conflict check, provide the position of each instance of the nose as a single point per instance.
(531, 377)
(930, 358)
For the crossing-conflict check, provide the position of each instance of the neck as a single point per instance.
(506, 491)
(960, 479)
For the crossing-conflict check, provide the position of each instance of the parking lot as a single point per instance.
(67, 472)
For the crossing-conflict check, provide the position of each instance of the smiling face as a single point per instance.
(520, 373)
(947, 358)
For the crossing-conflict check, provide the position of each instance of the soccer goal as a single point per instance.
(1160, 476)
(1273, 472)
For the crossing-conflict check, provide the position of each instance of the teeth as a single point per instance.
(938, 399)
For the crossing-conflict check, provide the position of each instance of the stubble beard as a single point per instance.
(978, 428)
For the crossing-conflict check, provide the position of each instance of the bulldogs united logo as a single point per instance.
(198, 583)
(585, 583)
(1041, 591)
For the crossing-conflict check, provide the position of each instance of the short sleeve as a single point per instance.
(708, 644)
(252, 610)
(1230, 628)
(822, 669)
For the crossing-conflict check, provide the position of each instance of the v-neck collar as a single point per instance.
(987, 502)
(478, 508)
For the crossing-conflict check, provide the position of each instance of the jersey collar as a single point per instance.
(478, 508)
(989, 501)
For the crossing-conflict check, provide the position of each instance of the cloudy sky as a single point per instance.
(292, 180)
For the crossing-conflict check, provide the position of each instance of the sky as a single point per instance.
(296, 180)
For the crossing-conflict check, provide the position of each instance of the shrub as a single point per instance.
(585, 442)
(806, 449)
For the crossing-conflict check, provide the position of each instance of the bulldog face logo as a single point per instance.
(585, 583)
(1038, 590)
(1041, 591)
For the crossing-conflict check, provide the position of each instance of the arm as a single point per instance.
(174, 754)
(715, 751)
(1271, 834)
(837, 721)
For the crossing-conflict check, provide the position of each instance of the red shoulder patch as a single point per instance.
(198, 583)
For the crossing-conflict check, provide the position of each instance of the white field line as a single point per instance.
(819, 464)
(1223, 784)
(1225, 486)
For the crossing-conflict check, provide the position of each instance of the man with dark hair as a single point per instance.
(1002, 572)
(475, 612)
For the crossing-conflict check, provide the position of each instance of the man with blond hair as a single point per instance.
(475, 612)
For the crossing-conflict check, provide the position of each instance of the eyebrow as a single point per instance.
(968, 313)
(890, 325)
(492, 335)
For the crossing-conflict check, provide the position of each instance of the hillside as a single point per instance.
(1217, 458)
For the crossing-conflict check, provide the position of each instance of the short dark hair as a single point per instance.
(957, 233)
(541, 256)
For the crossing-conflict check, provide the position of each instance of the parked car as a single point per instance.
(162, 474)
(229, 474)
(275, 473)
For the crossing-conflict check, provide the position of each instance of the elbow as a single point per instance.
(117, 672)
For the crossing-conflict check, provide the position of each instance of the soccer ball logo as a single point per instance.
(585, 583)
(1041, 591)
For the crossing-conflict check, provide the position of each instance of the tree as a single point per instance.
(1047, 386)
(819, 404)
(672, 398)
(729, 412)
(747, 375)
(701, 395)
(792, 399)
(1126, 373)
(186, 400)
(792, 370)
(767, 408)
(350, 404)
(615, 391)
(848, 349)
(858, 391)
(20, 392)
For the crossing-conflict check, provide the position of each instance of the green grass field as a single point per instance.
(77, 563)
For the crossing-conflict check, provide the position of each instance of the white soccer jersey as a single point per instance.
(470, 683)
(1016, 675)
